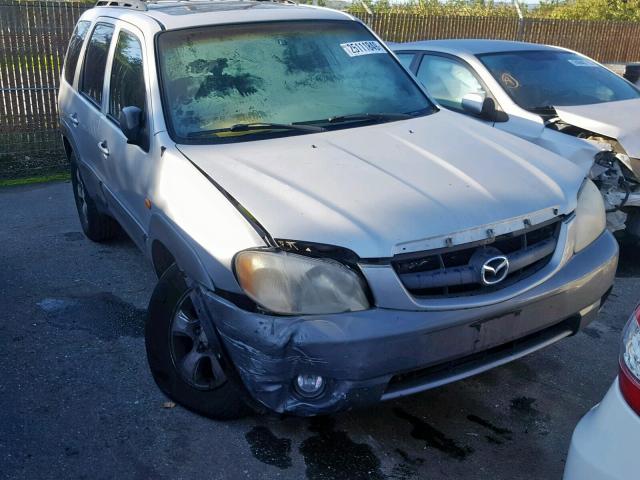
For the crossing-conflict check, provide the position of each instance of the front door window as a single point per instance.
(447, 80)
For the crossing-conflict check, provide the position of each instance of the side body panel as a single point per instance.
(201, 228)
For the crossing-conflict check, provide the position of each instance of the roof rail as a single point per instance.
(142, 4)
(134, 4)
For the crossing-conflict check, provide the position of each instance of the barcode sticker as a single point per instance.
(356, 49)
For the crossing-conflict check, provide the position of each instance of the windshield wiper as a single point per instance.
(260, 126)
(546, 109)
(369, 116)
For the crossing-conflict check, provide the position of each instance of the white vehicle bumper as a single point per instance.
(604, 445)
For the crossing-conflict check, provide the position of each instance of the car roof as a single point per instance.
(192, 13)
(472, 46)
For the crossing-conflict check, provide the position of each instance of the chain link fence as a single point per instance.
(33, 40)
(605, 41)
(34, 36)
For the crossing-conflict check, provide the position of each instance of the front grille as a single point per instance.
(457, 271)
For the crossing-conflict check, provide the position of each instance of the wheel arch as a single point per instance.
(67, 141)
(161, 257)
(67, 146)
(166, 245)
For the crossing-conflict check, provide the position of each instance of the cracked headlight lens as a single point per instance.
(590, 215)
(292, 284)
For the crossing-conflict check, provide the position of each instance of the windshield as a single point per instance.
(270, 75)
(538, 80)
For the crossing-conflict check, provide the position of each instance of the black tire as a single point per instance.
(97, 226)
(633, 229)
(169, 348)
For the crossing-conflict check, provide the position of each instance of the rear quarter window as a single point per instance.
(73, 52)
(95, 62)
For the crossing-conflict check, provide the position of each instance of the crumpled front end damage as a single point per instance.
(270, 351)
(615, 172)
(620, 188)
(381, 353)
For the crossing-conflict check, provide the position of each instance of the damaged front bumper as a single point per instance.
(620, 191)
(379, 354)
(630, 199)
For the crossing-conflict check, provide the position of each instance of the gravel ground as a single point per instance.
(77, 400)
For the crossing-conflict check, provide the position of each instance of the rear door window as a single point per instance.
(95, 62)
(73, 52)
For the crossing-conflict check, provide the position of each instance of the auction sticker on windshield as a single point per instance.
(356, 49)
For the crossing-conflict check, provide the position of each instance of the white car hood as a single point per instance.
(617, 120)
(395, 187)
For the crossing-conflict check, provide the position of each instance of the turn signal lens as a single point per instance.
(591, 218)
(629, 378)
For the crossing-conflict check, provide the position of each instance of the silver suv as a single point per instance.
(320, 244)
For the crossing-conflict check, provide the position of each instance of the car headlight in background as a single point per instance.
(590, 215)
(292, 284)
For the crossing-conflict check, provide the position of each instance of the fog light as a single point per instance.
(309, 385)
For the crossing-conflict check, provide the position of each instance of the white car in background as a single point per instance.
(605, 442)
(556, 98)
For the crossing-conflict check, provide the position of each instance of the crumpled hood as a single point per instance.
(617, 120)
(383, 189)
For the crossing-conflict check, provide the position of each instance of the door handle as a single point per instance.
(74, 119)
(102, 146)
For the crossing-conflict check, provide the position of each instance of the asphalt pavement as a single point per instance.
(77, 400)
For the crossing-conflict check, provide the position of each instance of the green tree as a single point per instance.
(591, 10)
(621, 10)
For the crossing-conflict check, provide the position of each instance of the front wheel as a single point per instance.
(186, 364)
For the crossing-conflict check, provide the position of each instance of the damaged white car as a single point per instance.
(556, 98)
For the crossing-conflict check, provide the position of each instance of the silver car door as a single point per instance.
(129, 164)
(87, 108)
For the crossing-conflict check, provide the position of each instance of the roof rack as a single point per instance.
(143, 4)
(134, 4)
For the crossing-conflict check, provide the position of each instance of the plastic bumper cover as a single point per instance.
(379, 353)
(604, 445)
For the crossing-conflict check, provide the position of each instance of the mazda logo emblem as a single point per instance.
(494, 270)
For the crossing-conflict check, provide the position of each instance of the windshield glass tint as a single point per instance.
(541, 79)
(281, 72)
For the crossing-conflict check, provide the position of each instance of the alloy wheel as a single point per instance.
(193, 355)
(81, 198)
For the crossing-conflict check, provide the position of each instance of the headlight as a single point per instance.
(590, 215)
(294, 284)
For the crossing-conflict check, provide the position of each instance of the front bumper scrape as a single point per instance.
(366, 356)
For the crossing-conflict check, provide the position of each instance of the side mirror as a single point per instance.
(130, 120)
(479, 104)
